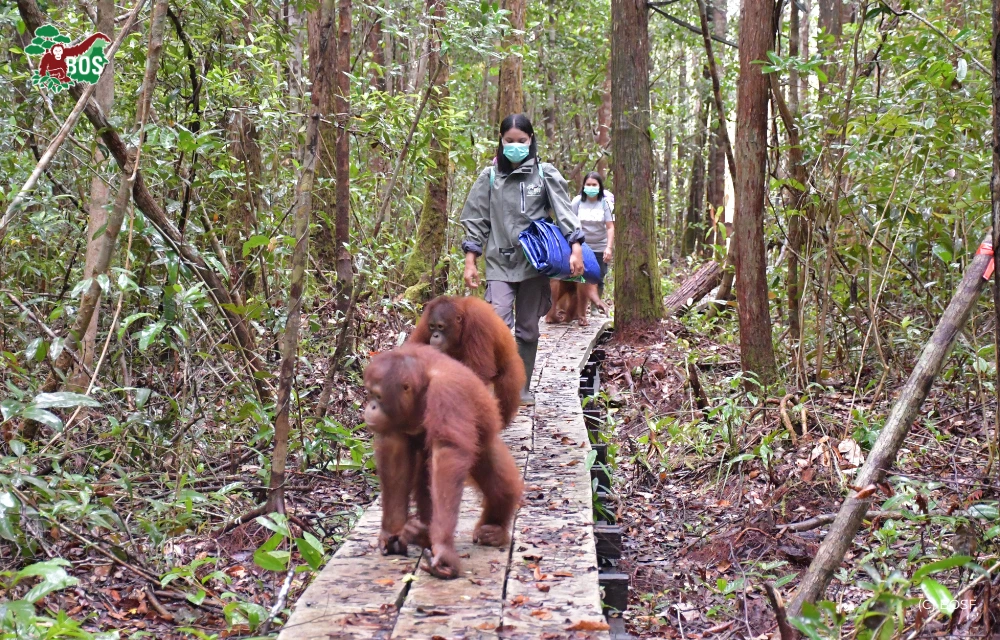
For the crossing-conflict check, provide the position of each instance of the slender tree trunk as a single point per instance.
(683, 98)
(290, 339)
(342, 103)
(104, 96)
(716, 180)
(804, 51)
(549, 114)
(423, 262)
(694, 232)
(604, 127)
(995, 193)
(666, 179)
(322, 69)
(638, 298)
(511, 97)
(756, 39)
(794, 37)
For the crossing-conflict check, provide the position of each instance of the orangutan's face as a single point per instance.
(57, 51)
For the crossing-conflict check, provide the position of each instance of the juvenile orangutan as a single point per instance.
(470, 331)
(435, 425)
(570, 301)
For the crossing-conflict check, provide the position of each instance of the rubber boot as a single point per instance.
(527, 352)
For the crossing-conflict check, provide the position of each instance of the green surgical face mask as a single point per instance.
(516, 151)
(591, 191)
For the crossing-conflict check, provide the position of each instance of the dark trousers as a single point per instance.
(604, 272)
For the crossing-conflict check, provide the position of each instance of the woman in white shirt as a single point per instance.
(595, 208)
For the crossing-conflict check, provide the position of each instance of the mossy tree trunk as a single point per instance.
(425, 260)
(638, 298)
(511, 95)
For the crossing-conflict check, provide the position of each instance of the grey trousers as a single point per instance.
(521, 304)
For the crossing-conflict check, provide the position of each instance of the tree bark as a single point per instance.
(290, 339)
(637, 295)
(549, 113)
(995, 192)
(841, 535)
(423, 261)
(796, 222)
(511, 95)
(756, 39)
(694, 231)
(342, 103)
(104, 96)
(603, 129)
(322, 71)
(716, 179)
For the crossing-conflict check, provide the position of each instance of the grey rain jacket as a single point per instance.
(493, 217)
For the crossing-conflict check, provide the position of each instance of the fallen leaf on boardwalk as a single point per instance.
(566, 440)
(570, 463)
(532, 558)
(538, 573)
(544, 588)
(589, 625)
(563, 574)
(385, 582)
(486, 626)
(517, 601)
(541, 615)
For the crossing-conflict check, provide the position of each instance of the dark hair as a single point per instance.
(515, 121)
(600, 184)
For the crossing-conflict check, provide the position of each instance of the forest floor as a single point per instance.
(704, 494)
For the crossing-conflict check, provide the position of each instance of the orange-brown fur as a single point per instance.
(436, 425)
(470, 331)
(571, 300)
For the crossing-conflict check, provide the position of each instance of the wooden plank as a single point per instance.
(356, 593)
(469, 606)
(552, 584)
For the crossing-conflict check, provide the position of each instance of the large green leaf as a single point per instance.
(54, 578)
(938, 595)
(63, 400)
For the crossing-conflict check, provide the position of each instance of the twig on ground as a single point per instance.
(786, 631)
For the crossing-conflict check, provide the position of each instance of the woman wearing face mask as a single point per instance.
(501, 204)
(595, 207)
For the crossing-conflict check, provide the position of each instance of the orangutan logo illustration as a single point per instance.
(64, 65)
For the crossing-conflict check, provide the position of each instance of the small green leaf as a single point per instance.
(271, 560)
(311, 550)
(254, 242)
(54, 578)
(148, 334)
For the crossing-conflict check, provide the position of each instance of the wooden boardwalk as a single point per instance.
(544, 585)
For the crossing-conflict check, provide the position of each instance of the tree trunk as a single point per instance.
(794, 36)
(342, 103)
(683, 98)
(322, 68)
(290, 339)
(637, 295)
(549, 113)
(716, 179)
(756, 39)
(666, 179)
(830, 12)
(694, 231)
(104, 96)
(603, 129)
(423, 261)
(511, 95)
(883, 454)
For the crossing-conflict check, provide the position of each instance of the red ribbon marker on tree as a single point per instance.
(986, 249)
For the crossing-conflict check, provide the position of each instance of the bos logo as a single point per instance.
(534, 190)
(63, 65)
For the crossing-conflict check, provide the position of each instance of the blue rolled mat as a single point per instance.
(549, 253)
